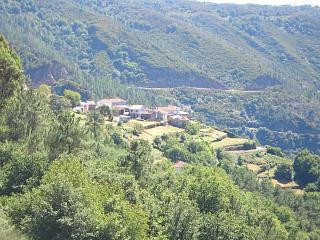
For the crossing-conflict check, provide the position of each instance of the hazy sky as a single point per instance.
(269, 2)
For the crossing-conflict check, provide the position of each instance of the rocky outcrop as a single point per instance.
(48, 73)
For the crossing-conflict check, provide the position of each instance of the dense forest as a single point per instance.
(63, 177)
(249, 68)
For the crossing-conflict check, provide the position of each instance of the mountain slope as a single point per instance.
(261, 57)
(161, 43)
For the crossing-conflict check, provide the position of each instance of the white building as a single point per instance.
(135, 111)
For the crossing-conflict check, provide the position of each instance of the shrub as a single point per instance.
(284, 172)
(276, 151)
(192, 128)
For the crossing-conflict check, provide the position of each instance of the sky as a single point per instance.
(269, 2)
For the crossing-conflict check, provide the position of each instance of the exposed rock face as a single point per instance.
(48, 73)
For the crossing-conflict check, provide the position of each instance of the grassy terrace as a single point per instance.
(228, 142)
(211, 134)
(134, 122)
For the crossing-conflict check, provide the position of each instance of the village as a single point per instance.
(172, 120)
(123, 112)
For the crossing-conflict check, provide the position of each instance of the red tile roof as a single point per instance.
(111, 100)
(168, 109)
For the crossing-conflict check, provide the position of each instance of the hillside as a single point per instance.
(161, 43)
(107, 45)
(65, 175)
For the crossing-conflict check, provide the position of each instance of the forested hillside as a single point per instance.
(261, 61)
(65, 176)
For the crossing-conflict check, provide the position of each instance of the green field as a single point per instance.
(227, 142)
(159, 131)
(134, 122)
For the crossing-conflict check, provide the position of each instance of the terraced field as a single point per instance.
(229, 142)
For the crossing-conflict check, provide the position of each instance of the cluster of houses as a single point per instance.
(124, 112)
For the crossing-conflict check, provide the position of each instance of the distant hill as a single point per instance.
(104, 45)
(172, 43)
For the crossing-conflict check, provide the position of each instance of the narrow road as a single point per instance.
(197, 88)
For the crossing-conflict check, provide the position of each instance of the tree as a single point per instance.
(139, 161)
(59, 103)
(225, 225)
(284, 172)
(27, 119)
(11, 73)
(73, 97)
(177, 153)
(106, 112)
(70, 205)
(20, 170)
(211, 189)
(182, 219)
(44, 90)
(66, 135)
(192, 128)
(95, 123)
(7, 230)
(275, 151)
(307, 168)
(196, 146)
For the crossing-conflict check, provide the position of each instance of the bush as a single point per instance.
(117, 138)
(284, 172)
(178, 154)
(157, 141)
(275, 151)
(137, 130)
(192, 128)
(249, 145)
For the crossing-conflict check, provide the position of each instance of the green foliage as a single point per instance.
(157, 142)
(284, 172)
(11, 73)
(306, 167)
(249, 145)
(27, 118)
(137, 129)
(211, 191)
(275, 151)
(73, 97)
(59, 103)
(66, 135)
(192, 128)
(76, 207)
(7, 230)
(249, 44)
(106, 112)
(63, 179)
(139, 160)
(117, 138)
(224, 225)
(20, 170)
(94, 123)
(189, 151)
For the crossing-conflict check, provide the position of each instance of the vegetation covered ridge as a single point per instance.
(65, 175)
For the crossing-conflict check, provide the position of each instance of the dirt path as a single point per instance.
(205, 89)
